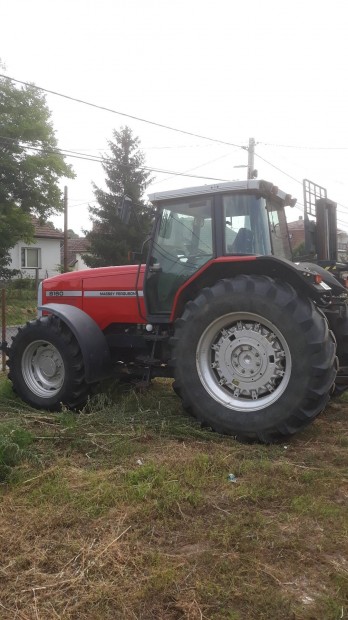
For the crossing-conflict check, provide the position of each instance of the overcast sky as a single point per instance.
(228, 70)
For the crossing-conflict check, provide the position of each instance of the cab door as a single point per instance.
(182, 244)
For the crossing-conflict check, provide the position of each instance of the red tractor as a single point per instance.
(247, 335)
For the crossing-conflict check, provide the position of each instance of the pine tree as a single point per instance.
(112, 238)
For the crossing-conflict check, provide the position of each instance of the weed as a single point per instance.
(14, 444)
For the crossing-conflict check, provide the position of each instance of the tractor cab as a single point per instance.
(197, 225)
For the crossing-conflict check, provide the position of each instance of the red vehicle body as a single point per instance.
(114, 294)
(218, 306)
(106, 294)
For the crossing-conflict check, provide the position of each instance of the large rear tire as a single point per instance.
(253, 359)
(46, 366)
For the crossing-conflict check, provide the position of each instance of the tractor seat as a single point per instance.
(243, 243)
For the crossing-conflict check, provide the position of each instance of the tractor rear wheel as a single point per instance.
(46, 365)
(253, 359)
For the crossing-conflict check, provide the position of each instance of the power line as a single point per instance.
(311, 148)
(95, 158)
(178, 146)
(279, 169)
(136, 118)
(195, 168)
(83, 156)
(288, 175)
(293, 179)
(43, 149)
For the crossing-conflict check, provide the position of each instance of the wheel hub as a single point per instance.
(47, 365)
(43, 368)
(244, 359)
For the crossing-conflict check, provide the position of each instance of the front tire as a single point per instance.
(46, 366)
(253, 359)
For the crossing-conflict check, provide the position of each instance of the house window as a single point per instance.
(31, 258)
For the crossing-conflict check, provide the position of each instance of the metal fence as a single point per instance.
(18, 300)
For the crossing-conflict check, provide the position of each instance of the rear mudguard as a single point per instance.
(91, 340)
(299, 275)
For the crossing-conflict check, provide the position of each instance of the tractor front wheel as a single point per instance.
(46, 365)
(253, 359)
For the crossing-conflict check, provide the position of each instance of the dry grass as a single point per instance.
(126, 512)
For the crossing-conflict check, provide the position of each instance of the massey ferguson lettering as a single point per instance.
(117, 293)
(112, 293)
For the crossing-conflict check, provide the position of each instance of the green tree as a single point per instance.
(112, 238)
(30, 165)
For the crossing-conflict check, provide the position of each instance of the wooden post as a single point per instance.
(36, 278)
(65, 261)
(3, 326)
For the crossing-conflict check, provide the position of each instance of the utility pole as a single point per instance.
(65, 253)
(251, 173)
(251, 153)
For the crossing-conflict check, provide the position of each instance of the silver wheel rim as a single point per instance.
(43, 369)
(243, 361)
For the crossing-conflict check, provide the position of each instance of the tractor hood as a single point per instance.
(71, 287)
(88, 274)
(106, 294)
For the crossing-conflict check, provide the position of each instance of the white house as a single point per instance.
(42, 255)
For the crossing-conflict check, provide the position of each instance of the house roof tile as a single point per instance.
(75, 246)
(46, 229)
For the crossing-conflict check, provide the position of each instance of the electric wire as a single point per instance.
(100, 159)
(103, 159)
(136, 118)
(297, 181)
(303, 147)
(277, 168)
(163, 126)
(192, 169)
